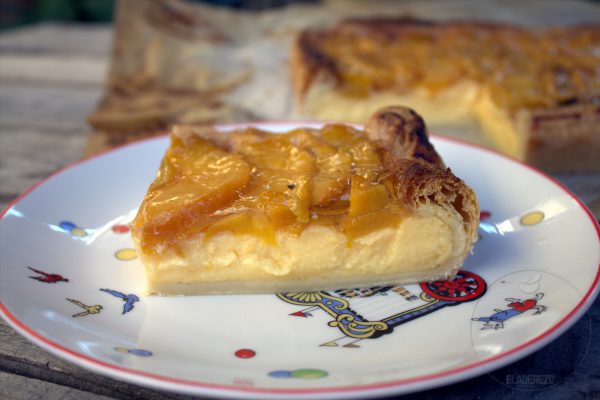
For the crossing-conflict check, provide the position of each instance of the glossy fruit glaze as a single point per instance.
(261, 183)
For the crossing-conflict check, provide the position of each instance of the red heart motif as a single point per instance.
(523, 306)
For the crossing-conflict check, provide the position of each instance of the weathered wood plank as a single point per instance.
(52, 107)
(28, 155)
(45, 70)
(586, 187)
(16, 387)
(58, 39)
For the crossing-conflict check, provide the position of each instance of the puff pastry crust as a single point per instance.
(535, 92)
(250, 211)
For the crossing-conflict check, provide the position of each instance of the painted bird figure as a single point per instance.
(46, 277)
(88, 309)
(129, 299)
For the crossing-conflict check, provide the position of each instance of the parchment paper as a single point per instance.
(182, 62)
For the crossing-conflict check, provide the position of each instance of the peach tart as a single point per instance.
(249, 211)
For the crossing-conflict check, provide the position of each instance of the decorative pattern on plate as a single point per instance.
(129, 299)
(515, 308)
(305, 373)
(484, 214)
(73, 229)
(245, 353)
(135, 352)
(120, 228)
(95, 309)
(344, 306)
(532, 218)
(47, 277)
(126, 254)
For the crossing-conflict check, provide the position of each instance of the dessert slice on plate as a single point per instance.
(250, 211)
(535, 92)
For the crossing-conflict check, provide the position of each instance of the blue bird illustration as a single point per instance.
(129, 299)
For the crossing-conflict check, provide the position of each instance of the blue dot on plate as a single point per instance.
(280, 374)
(67, 226)
(140, 352)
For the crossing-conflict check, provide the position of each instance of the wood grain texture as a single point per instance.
(28, 155)
(16, 387)
(43, 70)
(44, 98)
(58, 40)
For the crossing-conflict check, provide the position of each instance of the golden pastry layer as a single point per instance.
(253, 211)
(535, 92)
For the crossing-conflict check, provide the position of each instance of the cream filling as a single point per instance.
(423, 247)
(461, 111)
(499, 127)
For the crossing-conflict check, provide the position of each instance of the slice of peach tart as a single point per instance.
(250, 211)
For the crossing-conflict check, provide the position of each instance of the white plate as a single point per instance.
(533, 274)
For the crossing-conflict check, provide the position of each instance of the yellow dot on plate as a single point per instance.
(122, 349)
(126, 254)
(78, 232)
(532, 218)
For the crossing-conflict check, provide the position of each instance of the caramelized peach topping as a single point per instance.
(263, 182)
(521, 68)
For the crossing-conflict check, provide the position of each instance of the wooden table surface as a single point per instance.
(51, 77)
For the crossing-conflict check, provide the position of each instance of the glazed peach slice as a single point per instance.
(195, 179)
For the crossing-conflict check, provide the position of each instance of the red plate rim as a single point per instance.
(437, 379)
